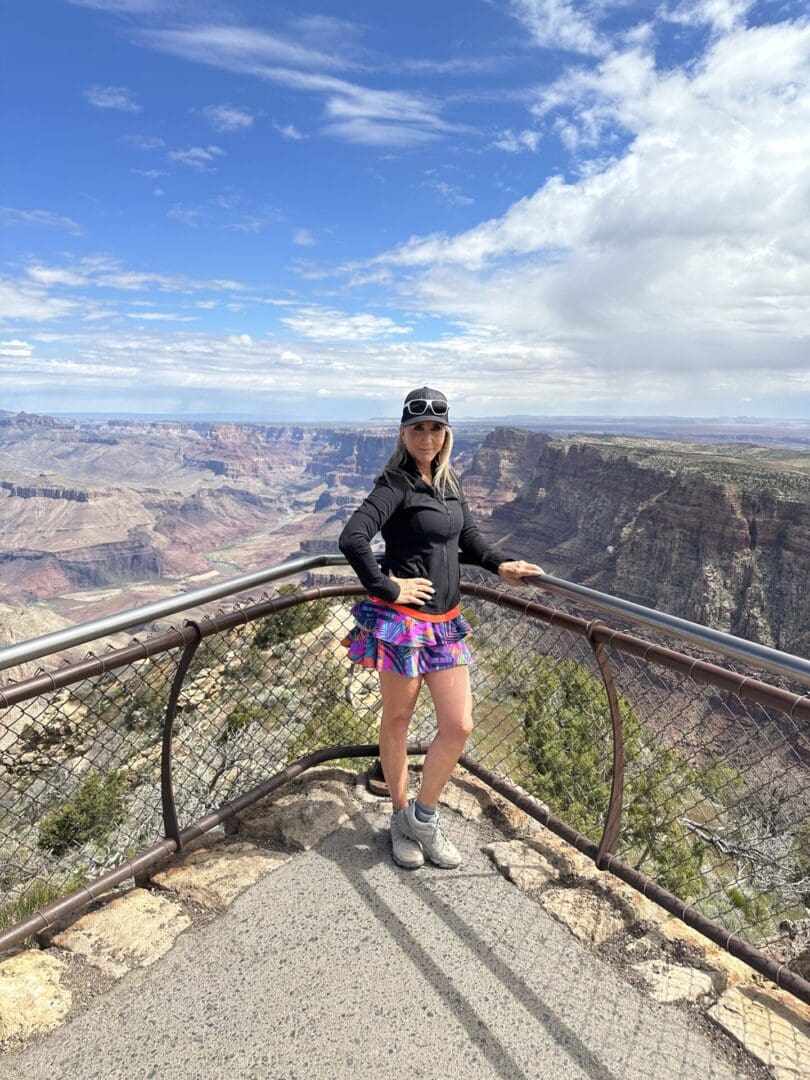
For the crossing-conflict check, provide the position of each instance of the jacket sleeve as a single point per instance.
(474, 548)
(360, 530)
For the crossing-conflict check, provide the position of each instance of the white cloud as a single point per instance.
(517, 142)
(11, 216)
(721, 15)
(55, 275)
(21, 301)
(111, 97)
(289, 131)
(158, 191)
(556, 24)
(684, 256)
(228, 117)
(325, 324)
(239, 48)
(103, 271)
(303, 237)
(196, 157)
(152, 174)
(16, 348)
(368, 132)
(353, 113)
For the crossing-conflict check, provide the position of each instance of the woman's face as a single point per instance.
(424, 440)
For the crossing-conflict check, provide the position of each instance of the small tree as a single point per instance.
(568, 751)
(290, 623)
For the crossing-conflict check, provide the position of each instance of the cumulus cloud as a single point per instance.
(323, 323)
(227, 118)
(111, 97)
(686, 254)
(303, 237)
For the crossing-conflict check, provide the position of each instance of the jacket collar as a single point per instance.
(412, 469)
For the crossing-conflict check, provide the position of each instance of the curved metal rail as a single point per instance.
(747, 652)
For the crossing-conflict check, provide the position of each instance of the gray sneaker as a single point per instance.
(429, 834)
(406, 852)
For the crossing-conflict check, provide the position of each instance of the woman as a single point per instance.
(410, 628)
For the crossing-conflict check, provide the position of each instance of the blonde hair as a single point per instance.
(444, 478)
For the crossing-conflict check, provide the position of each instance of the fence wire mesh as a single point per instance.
(716, 792)
(79, 782)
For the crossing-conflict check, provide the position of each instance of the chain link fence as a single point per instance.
(716, 792)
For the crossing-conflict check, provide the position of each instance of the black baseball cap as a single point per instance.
(425, 404)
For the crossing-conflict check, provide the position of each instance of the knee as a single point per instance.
(459, 727)
(396, 721)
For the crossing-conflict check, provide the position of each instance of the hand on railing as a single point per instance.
(516, 571)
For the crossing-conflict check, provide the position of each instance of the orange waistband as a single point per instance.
(416, 613)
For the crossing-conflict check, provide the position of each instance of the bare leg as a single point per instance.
(399, 694)
(452, 699)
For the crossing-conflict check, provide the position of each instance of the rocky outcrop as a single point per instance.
(718, 537)
(42, 491)
(43, 573)
(501, 464)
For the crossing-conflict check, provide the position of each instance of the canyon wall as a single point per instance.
(713, 534)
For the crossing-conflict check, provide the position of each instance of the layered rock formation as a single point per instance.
(716, 534)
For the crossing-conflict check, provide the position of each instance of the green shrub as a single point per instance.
(568, 751)
(95, 811)
(290, 623)
(246, 713)
(339, 726)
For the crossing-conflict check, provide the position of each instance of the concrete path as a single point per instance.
(338, 964)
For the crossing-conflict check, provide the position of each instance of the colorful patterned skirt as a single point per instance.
(389, 640)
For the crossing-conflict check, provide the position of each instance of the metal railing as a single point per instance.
(685, 779)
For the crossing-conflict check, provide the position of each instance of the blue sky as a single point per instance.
(303, 211)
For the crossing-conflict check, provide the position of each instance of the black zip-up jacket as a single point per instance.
(425, 536)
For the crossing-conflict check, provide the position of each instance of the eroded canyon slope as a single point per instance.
(87, 509)
(715, 533)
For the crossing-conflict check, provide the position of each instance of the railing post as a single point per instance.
(613, 821)
(171, 826)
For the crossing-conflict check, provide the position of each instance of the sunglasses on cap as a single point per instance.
(421, 406)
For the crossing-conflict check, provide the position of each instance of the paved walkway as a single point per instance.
(337, 964)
